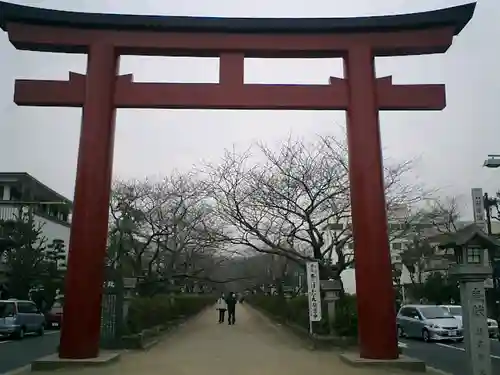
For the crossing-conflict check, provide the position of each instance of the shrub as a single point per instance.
(147, 312)
(296, 310)
(346, 316)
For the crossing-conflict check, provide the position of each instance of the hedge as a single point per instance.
(148, 312)
(296, 310)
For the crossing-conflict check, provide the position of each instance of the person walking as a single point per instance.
(221, 306)
(231, 308)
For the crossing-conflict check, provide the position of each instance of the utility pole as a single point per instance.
(489, 203)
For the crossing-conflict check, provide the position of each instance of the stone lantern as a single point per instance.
(470, 246)
(331, 289)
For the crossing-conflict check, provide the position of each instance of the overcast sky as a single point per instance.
(450, 145)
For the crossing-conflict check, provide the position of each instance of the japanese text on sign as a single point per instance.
(478, 309)
(477, 294)
(477, 329)
(478, 205)
(313, 286)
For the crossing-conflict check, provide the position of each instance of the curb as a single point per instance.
(150, 344)
(433, 370)
(26, 369)
(277, 323)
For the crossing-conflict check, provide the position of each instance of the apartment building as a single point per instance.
(50, 210)
(402, 228)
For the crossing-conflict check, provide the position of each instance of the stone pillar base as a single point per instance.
(402, 363)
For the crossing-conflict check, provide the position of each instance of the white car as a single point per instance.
(456, 311)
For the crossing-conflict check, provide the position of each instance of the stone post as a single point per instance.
(331, 288)
(472, 295)
(129, 284)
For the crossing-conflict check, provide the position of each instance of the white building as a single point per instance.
(50, 209)
(402, 227)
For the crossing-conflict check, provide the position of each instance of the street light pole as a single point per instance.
(493, 161)
(489, 203)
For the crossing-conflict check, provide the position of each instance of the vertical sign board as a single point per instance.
(478, 206)
(313, 287)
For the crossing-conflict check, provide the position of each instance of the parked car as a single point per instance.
(428, 322)
(53, 317)
(456, 311)
(19, 317)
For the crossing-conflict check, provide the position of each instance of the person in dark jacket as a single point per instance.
(231, 308)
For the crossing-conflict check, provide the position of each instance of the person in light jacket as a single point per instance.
(221, 305)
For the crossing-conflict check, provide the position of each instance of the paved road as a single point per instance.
(18, 353)
(447, 356)
(255, 345)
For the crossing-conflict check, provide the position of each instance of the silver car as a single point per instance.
(19, 317)
(428, 322)
(456, 311)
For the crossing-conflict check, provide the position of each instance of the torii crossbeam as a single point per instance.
(105, 37)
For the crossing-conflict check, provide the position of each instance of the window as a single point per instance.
(434, 312)
(413, 313)
(397, 246)
(405, 311)
(410, 312)
(57, 308)
(1, 192)
(27, 308)
(456, 310)
(396, 259)
(394, 227)
(335, 226)
(15, 194)
(7, 309)
(474, 256)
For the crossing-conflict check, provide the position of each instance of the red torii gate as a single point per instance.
(105, 37)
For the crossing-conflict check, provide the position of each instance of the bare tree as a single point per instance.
(415, 258)
(435, 219)
(161, 231)
(288, 204)
(443, 215)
